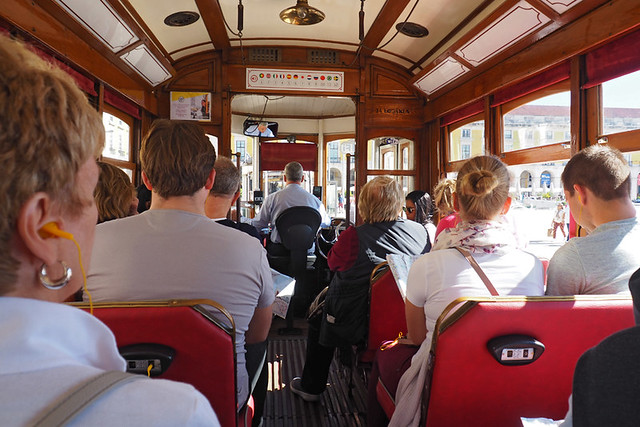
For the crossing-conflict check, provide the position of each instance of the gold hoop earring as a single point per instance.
(57, 284)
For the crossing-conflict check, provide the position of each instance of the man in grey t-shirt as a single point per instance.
(596, 185)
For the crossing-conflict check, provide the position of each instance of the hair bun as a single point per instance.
(479, 182)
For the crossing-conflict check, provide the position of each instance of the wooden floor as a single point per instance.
(338, 407)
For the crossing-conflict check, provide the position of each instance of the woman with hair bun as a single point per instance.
(443, 275)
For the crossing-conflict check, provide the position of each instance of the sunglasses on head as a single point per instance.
(408, 210)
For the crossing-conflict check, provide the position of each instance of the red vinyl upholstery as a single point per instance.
(470, 387)
(386, 311)
(204, 346)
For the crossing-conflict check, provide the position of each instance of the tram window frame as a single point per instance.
(129, 165)
(626, 141)
(559, 151)
(454, 165)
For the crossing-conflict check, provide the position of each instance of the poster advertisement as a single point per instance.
(191, 106)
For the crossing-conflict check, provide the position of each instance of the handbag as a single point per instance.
(317, 306)
(549, 232)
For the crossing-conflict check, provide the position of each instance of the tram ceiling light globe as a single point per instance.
(302, 14)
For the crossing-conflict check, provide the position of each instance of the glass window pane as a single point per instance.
(336, 191)
(621, 104)
(214, 141)
(117, 138)
(390, 153)
(543, 121)
(243, 145)
(466, 141)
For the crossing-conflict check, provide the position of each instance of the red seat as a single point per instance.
(386, 311)
(204, 348)
(468, 386)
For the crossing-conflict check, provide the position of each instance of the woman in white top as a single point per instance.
(50, 137)
(439, 277)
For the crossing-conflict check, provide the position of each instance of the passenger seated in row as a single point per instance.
(443, 199)
(174, 251)
(418, 208)
(439, 277)
(291, 195)
(223, 195)
(353, 258)
(596, 185)
(49, 139)
(114, 194)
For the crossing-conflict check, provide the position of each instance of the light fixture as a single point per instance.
(301, 14)
(146, 65)
(412, 29)
(99, 18)
(102, 20)
(181, 19)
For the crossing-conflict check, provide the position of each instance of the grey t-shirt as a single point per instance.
(165, 254)
(600, 263)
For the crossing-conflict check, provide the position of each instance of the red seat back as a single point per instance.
(386, 311)
(204, 346)
(470, 387)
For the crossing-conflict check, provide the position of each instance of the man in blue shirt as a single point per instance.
(291, 195)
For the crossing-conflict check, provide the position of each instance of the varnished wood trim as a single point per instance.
(387, 16)
(211, 15)
(453, 33)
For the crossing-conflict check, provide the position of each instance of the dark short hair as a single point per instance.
(601, 169)
(424, 206)
(177, 158)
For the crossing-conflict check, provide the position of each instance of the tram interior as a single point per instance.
(530, 81)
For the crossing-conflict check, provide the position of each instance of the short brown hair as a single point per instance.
(177, 158)
(482, 186)
(380, 200)
(601, 169)
(113, 193)
(48, 130)
(228, 177)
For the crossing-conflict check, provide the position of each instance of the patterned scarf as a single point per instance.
(478, 237)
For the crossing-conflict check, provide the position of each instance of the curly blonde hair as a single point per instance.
(482, 187)
(380, 200)
(113, 193)
(443, 195)
(48, 130)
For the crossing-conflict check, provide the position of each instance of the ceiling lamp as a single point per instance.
(301, 14)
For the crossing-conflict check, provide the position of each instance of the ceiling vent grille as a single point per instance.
(265, 54)
(323, 57)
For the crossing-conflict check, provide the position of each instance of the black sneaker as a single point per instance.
(296, 388)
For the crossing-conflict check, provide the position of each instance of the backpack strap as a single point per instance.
(465, 253)
(63, 410)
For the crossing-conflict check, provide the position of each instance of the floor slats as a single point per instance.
(338, 407)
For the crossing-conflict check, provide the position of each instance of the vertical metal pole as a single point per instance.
(347, 202)
(238, 201)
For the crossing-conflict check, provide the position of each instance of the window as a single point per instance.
(117, 137)
(333, 152)
(241, 147)
(621, 104)
(526, 123)
(383, 152)
(466, 140)
(117, 150)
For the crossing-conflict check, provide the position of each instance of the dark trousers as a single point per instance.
(317, 361)
(256, 363)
